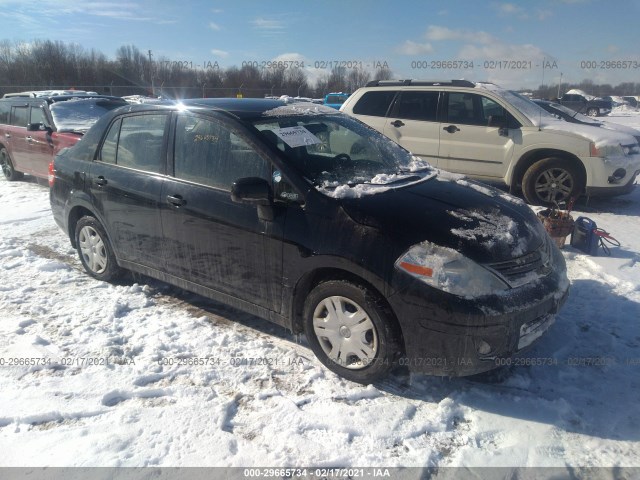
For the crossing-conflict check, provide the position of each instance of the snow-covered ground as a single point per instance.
(143, 374)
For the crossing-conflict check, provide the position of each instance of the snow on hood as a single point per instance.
(599, 136)
(490, 228)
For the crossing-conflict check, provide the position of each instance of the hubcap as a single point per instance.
(345, 332)
(92, 249)
(554, 185)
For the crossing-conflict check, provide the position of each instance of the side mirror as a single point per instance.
(252, 191)
(37, 127)
(497, 121)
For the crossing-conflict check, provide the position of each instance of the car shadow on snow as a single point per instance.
(582, 377)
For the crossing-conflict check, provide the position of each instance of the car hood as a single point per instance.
(484, 223)
(594, 133)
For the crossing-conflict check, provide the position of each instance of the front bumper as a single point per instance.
(448, 335)
(614, 190)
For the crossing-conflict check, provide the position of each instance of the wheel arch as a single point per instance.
(314, 277)
(529, 158)
(75, 214)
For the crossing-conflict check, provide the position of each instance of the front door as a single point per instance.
(209, 239)
(468, 144)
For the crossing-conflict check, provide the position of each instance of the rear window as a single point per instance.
(80, 115)
(418, 106)
(375, 104)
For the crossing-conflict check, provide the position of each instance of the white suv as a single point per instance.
(494, 134)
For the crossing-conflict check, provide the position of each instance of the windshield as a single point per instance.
(80, 115)
(333, 151)
(534, 112)
(574, 114)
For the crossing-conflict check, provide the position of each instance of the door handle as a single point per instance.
(451, 129)
(397, 123)
(176, 200)
(29, 139)
(7, 135)
(101, 181)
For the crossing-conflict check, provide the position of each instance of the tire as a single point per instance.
(9, 172)
(94, 250)
(593, 112)
(551, 181)
(365, 337)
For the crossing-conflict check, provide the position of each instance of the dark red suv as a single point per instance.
(34, 129)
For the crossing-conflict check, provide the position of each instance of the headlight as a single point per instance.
(449, 271)
(606, 150)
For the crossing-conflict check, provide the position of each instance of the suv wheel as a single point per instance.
(350, 331)
(9, 172)
(592, 112)
(551, 181)
(95, 250)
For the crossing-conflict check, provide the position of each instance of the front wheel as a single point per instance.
(9, 172)
(551, 181)
(350, 331)
(95, 251)
(592, 112)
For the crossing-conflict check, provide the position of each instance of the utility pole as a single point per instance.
(559, 85)
(153, 90)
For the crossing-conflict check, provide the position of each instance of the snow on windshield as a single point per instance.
(339, 155)
(539, 117)
(534, 113)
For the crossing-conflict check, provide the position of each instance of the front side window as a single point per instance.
(210, 153)
(38, 116)
(472, 109)
(374, 103)
(136, 142)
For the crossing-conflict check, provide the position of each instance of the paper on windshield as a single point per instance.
(296, 136)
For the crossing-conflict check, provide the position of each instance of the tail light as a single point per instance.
(52, 174)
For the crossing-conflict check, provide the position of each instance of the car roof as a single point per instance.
(57, 98)
(252, 108)
(420, 83)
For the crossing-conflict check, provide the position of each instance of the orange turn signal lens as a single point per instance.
(417, 269)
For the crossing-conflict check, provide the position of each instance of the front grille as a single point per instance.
(517, 271)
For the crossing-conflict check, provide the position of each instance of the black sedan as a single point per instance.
(310, 219)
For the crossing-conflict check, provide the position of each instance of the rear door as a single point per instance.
(469, 143)
(16, 134)
(125, 182)
(209, 239)
(413, 123)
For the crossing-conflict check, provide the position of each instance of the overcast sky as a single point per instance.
(508, 42)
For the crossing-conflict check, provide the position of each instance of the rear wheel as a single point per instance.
(551, 181)
(95, 251)
(592, 112)
(350, 331)
(8, 171)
